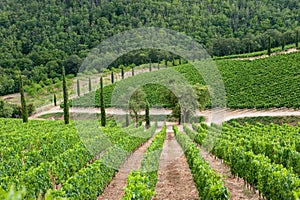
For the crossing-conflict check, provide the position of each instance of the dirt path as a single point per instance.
(175, 180)
(236, 187)
(219, 116)
(216, 116)
(84, 88)
(292, 50)
(115, 189)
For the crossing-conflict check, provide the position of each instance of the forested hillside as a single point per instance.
(39, 36)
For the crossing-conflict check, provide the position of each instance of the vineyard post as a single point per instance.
(23, 102)
(103, 116)
(65, 94)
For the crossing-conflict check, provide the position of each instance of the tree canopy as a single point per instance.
(38, 36)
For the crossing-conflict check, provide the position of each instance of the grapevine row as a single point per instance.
(208, 182)
(272, 180)
(89, 182)
(141, 183)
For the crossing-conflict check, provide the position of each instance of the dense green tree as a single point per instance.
(137, 103)
(72, 64)
(6, 111)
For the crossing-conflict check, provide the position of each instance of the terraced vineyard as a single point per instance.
(262, 83)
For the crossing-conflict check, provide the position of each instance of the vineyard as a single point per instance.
(46, 159)
(55, 160)
(266, 156)
(149, 100)
(84, 160)
(262, 83)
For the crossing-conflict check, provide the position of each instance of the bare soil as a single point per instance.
(175, 180)
(236, 186)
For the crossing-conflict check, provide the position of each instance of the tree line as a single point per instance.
(39, 37)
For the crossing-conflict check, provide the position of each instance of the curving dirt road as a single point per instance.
(292, 50)
(216, 116)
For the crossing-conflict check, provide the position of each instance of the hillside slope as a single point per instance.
(262, 83)
(39, 37)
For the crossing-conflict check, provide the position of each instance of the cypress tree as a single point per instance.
(23, 102)
(147, 115)
(297, 39)
(78, 88)
(103, 116)
(122, 72)
(150, 67)
(132, 70)
(127, 120)
(90, 85)
(269, 46)
(166, 63)
(112, 76)
(173, 62)
(282, 44)
(54, 100)
(65, 94)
